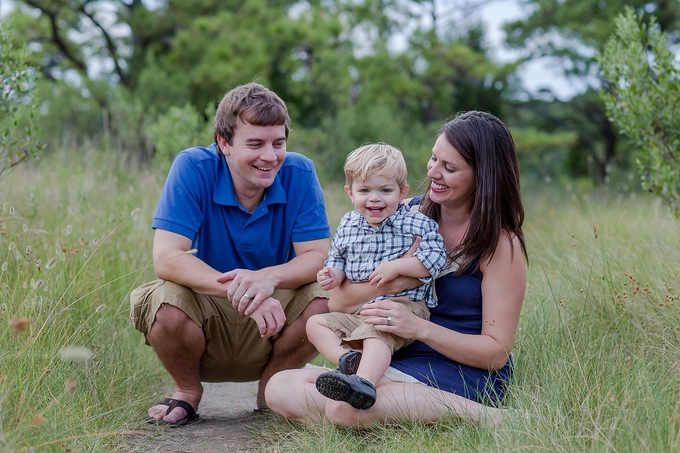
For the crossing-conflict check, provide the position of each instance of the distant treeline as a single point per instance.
(143, 78)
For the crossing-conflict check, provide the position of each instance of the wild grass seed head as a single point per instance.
(51, 263)
(76, 354)
(37, 284)
(18, 325)
(70, 386)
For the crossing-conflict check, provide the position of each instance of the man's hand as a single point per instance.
(269, 317)
(327, 279)
(248, 289)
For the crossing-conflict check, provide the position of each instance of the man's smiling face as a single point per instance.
(254, 159)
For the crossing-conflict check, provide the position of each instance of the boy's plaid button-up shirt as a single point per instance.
(357, 248)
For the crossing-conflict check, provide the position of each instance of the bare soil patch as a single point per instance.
(227, 424)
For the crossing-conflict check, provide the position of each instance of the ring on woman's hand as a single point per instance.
(247, 296)
(389, 320)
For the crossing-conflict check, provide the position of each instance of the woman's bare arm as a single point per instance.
(503, 290)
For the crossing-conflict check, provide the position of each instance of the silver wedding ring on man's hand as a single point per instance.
(247, 296)
(389, 320)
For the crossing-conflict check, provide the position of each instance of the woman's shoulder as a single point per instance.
(508, 252)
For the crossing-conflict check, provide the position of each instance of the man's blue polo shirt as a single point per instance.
(198, 202)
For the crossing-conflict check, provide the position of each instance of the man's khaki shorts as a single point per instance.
(235, 351)
(352, 330)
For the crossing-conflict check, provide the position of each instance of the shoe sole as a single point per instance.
(350, 364)
(334, 387)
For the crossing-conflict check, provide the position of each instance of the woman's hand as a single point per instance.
(395, 318)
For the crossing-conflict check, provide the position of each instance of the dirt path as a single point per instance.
(227, 424)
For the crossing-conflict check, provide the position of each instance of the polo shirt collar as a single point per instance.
(224, 188)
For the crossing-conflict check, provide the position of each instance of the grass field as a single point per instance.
(597, 354)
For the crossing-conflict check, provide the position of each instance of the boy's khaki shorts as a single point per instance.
(352, 330)
(235, 351)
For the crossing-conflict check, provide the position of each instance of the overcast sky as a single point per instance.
(535, 75)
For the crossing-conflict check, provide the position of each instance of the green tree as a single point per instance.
(402, 94)
(301, 57)
(644, 100)
(183, 51)
(18, 103)
(329, 60)
(571, 32)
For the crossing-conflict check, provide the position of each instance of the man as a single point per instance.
(236, 309)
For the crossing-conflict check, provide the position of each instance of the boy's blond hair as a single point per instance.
(378, 159)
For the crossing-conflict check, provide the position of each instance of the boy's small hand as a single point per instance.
(384, 273)
(326, 279)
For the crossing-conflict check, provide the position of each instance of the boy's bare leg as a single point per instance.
(326, 341)
(375, 359)
(179, 344)
(292, 349)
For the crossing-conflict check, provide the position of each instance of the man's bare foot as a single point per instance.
(158, 412)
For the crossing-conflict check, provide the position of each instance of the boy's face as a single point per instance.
(376, 198)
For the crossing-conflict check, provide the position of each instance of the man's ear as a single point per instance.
(404, 192)
(224, 146)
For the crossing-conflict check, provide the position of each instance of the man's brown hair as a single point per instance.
(251, 103)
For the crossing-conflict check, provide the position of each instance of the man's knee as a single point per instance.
(169, 317)
(317, 306)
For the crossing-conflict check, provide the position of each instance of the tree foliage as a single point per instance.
(18, 103)
(571, 32)
(333, 62)
(178, 129)
(644, 100)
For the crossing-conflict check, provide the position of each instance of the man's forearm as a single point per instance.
(297, 272)
(193, 273)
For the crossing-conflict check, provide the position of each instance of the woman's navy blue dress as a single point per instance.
(459, 308)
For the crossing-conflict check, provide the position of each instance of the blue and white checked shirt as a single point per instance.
(357, 248)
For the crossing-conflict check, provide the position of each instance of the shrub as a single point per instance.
(179, 128)
(18, 103)
(644, 101)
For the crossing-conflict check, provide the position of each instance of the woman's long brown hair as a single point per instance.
(486, 144)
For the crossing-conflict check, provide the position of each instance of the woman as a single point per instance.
(460, 362)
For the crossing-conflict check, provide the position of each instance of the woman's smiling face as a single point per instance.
(452, 180)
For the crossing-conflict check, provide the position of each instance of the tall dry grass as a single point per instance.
(597, 355)
(598, 350)
(74, 239)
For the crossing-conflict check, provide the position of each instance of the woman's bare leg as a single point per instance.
(402, 401)
(292, 394)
